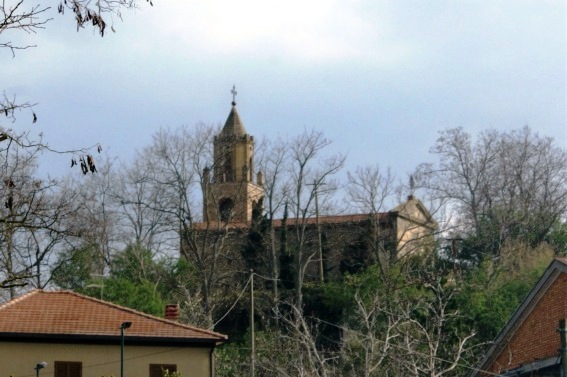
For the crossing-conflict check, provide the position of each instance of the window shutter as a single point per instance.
(75, 369)
(60, 370)
(158, 370)
(68, 369)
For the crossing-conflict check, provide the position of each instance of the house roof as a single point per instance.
(67, 314)
(555, 273)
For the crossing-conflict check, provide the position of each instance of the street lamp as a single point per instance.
(123, 326)
(39, 366)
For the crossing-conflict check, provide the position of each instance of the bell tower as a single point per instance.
(232, 193)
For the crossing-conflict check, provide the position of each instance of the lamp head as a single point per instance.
(125, 325)
(41, 365)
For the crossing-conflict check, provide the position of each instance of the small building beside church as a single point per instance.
(80, 336)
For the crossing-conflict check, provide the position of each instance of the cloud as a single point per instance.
(298, 31)
(391, 69)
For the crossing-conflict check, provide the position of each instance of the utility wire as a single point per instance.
(233, 305)
(354, 331)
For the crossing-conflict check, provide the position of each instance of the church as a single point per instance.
(324, 247)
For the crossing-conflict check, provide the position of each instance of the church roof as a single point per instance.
(337, 219)
(233, 125)
(278, 223)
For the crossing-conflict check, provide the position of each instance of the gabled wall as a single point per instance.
(415, 228)
(536, 337)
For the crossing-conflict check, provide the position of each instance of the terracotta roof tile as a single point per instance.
(339, 219)
(69, 313)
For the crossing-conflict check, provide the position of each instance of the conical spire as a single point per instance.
(233, 124)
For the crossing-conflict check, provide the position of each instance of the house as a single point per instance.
(80, 336)
(530, 343)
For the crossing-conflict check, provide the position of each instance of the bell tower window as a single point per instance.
(226, 208)
(227, 165)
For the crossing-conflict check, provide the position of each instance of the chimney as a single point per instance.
(172, 312)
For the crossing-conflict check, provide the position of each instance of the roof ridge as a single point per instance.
(20, 298)
(142, 314)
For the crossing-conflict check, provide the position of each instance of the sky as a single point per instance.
(379, 78)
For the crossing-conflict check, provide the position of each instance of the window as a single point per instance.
(68, 368)
(158, 370)
(225, 208)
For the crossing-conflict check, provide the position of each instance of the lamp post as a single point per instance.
(39, 366)
(123, 326)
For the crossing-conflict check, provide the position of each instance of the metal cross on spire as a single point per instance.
(234, 93)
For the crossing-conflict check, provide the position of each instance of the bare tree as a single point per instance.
(141, 206)
(272, 158)
(31, 218)
(303, 356)
(429, 342)
(314, 360)
(95, 222)
(20, 16)
(311, 175)
(25, 17)
(503, 185)
(30, 17)
(406, 323)
(175, 167)
(369, 189)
